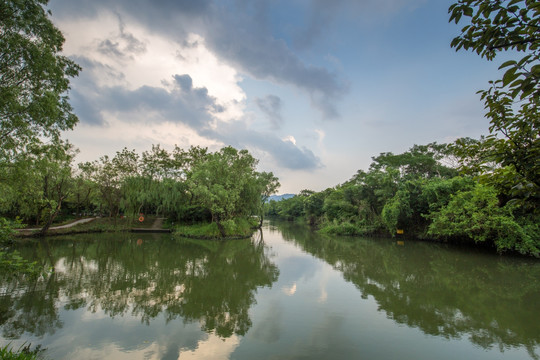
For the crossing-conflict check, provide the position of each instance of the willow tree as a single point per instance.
(227, 184)
(110, 175)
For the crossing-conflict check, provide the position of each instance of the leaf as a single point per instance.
(510, 76)
(507, 63)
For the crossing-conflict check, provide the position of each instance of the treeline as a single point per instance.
(434, 191)
(192, 185)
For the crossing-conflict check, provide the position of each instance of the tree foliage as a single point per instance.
(476, 215)
(511, 102)
(34, 77)
(420, 193)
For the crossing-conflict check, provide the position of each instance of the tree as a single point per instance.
(55, 178)
(476, 215)
(511, 102)
(110, 175)
(224, 182)
(39, 182)
(84, 189)
(34, 77)
(268, 185)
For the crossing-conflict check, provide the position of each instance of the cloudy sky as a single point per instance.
(313, 89)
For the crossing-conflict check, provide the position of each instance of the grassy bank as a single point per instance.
(23, 353)
(350, 229)
(234, 229)
(105, 224)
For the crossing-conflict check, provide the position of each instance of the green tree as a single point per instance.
(268, 185)
(46, 170)
(313, 207)
(110, 175)
(34, 81)
(34, 77)
(82, 198)
(511, 102)
(476, 215)
(223, 181)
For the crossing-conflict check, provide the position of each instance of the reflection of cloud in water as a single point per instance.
(323, 283)
(324, 294)
(268, 328)
(289, 290)
(147, 351)
(213, 347)
(209, 347)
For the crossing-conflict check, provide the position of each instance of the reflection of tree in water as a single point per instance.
(20, 312)
(210, 282)
(442, 291)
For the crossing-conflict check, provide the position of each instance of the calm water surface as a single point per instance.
(285, 294)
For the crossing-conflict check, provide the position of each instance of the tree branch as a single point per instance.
(519, 42)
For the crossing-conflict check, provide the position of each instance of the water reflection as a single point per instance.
(211, 283)
(446, 292)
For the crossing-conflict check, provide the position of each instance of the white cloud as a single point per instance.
(154, 62)
(290, 139)
(97, 142)
(213, 347)
(289, 290)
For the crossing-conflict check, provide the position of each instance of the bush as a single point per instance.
(475, 215)
(349, 229)
(234, 228)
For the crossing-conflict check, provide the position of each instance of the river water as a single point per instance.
(287, 293)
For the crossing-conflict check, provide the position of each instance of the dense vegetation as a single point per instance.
(483, 190)
(422, 193)
(480, 191)
(39, 183)
(183, 185)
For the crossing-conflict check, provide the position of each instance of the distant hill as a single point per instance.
(280, 197)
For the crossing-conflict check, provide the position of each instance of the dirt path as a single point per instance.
(158, 223)
(81, 221)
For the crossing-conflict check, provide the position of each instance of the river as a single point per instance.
(287, 293)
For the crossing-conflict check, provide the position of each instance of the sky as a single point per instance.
(313, 89)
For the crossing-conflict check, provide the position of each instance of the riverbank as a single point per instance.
(234, 229)
(92, 225)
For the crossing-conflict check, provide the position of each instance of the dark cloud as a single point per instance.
(183, 103)
(123, 45)
(186, 104)
(108, 47)
(271, 106)
(86, 96)
(238, 34)
(151, 12)
(320, 14)
(243, 43)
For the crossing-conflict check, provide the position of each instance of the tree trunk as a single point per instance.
(261, 218)
(49, 222)
(221, 229)
(220, 226)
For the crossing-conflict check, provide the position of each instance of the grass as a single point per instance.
(349, 229)
(234, 228)
(24, 353)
